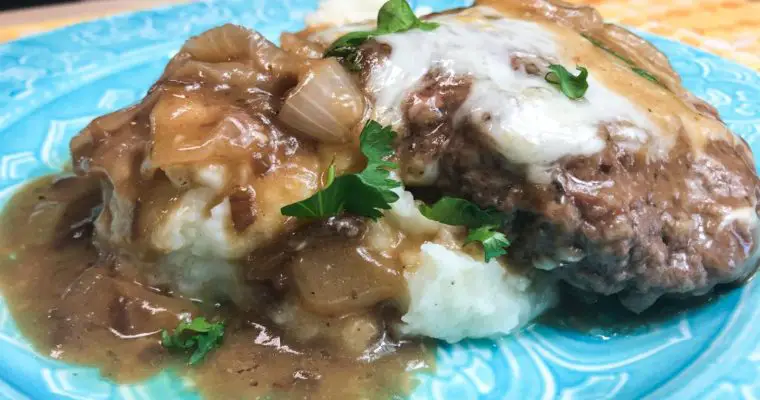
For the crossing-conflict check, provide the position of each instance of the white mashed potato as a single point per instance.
(453, 296)
(336, 12)
(200, 223)
(204, 277)
(191, 228)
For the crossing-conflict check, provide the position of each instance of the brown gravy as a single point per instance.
(80, 306)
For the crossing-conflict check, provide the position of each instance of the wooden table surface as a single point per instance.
(730, 28)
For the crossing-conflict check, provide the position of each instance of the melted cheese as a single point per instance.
(527, 119)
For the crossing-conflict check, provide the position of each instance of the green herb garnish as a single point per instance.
(639, 71)
(394, 16)
(198, 335)
(455, 211)
(574, 87)
(482, 224)
(397, 16)
(347, 44)
(645, 74)
(494, 242)
(363, 194)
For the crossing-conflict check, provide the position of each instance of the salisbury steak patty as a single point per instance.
(615, 223)
(635, 189)
(621, 220)
(618, 221)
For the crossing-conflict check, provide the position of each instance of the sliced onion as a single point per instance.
(234, 74)
(224, 43)
(293, 43)
(326, 104)
(236, 43)
(195, 128)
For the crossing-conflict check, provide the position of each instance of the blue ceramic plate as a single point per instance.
(53, 84)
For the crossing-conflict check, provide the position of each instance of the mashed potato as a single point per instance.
(337, 12)
(196, 177)
(453, 296)
(199, 220)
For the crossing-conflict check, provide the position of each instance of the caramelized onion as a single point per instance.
(293, 43)
(326, 104)
(193, 128)
(235, 43)
(234, 74)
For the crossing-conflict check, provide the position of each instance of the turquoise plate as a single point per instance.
(52, 85)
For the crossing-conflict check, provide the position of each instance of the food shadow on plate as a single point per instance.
(587, 313)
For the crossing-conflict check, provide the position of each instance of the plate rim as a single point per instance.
(56, 33)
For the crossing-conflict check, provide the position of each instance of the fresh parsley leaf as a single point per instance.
(645, 74)
(393, 17)
(365, 200)
(198, 335)
(397, 16)
(574, 87)
(376, 143)
(598, 43)
(494, 242)
(328, 201)
(363, 194)
(482, 224)
(347, 44)
(455, 211)
(640, 71)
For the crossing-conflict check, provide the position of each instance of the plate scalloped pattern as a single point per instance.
(53, 84)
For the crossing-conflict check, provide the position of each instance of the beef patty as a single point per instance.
(613, 222)
(618, 221)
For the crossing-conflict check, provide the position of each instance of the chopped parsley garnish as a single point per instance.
(394, 16)
(494, 242)
(639, 71)
(397, 16)
(198, 335)
(347, 44)
(645, 74)
(363, 194)
(482, 224)
(574, 87)
(455, 211)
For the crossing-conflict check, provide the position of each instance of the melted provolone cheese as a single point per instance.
(528, 120)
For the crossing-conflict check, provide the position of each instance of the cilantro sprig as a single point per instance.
(574, 87)
(482, 224)
(393, 17)
(198, 335)
(363, 194)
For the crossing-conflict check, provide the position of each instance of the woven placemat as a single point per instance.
(730, 28)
